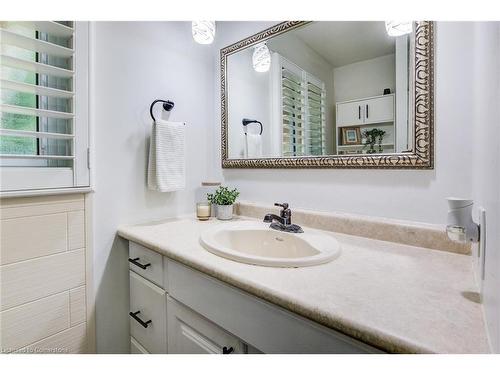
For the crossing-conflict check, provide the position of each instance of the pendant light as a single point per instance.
(203, 31)
(261, 58)
(398, 28)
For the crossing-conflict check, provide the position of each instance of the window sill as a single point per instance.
(40, 192)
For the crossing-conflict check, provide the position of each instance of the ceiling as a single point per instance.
(345, 42)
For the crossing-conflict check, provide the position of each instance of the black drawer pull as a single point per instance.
(139, 320)
(136, 263)
(225, 350)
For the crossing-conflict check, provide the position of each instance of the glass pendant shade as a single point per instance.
(203, 31)
(261, 58)
(398, 28)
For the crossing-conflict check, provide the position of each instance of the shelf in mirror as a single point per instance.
(357, 146)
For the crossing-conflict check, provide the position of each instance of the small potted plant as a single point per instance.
(223, 199)
(371, 137)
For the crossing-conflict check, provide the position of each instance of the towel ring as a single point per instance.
(167, 106)
(247, 121)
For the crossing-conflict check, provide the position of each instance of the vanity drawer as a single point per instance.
(146, 263)
(136, 348)
(148, 314)
(191, 333)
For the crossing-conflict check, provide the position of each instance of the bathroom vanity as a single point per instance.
(185, 299)
(191, 312)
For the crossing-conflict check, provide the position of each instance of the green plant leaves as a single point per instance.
(223, 196)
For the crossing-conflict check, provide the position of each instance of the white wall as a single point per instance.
(486, 157)
(401, 89)
(365, 78)
(413, 195)
(135, 63)
(250, 97)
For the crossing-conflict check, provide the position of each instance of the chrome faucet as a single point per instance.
(284, 221)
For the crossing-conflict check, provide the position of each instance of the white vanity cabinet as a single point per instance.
(189, 312)
(159, 323)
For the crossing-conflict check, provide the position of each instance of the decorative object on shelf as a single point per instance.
(387, 91)
(351, 136)
(223, 199)
(374, 136)
(207, 186)
(203, 210)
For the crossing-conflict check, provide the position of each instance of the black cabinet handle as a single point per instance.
(359, 112)
(367, 111)
(139, 320)
(225, 350)
(136, 263)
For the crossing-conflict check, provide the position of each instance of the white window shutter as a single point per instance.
(302, 112)
(44, 105)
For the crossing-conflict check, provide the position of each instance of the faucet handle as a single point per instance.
(284, 205)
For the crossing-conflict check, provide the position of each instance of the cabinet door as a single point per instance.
(191, 333)
(379, 109)
(349, 114)
(148, 305)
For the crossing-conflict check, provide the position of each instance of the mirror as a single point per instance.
(329, 94)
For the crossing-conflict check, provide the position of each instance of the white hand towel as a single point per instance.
(253, 145)
(166, 167)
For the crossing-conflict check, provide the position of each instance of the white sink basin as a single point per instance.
(255, 243)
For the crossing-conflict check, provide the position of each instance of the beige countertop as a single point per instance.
(398, 298)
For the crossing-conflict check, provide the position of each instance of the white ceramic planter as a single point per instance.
(224, 212)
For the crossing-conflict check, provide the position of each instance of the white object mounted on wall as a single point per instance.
(203, 31)
(460, 227)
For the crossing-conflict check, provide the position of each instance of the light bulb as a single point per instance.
(203, 31)
(261, 58)
(398, 28)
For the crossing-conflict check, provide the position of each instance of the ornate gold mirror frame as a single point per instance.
(422, 102)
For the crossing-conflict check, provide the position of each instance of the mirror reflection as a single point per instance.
(325, 88)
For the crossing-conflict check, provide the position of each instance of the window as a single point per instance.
(44, 105)
(302, 110)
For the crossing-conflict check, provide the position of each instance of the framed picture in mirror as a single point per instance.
(351, 136)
